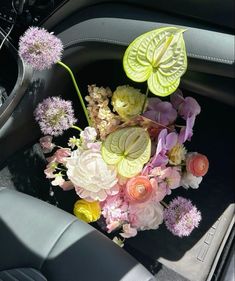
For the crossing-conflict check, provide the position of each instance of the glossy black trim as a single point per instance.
(23, 80)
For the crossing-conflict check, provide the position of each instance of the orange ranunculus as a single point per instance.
(197, 164)
(138, 189)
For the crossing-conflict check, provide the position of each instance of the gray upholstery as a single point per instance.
(21, 274)
(38, 235)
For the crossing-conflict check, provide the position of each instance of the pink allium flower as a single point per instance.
(128, 231)
(54, 116)
(115, 211)
(39, 48)
(197, 164)
(181, 217)
(46, 144)
(147, 215)
(160, 112)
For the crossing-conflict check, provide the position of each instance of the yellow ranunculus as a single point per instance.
(87, 211)
(127, 101)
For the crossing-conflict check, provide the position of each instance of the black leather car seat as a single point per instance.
(41, 242)
(22, 274)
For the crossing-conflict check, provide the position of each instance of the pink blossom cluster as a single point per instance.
(169, 168)
(129, 205)
(126, 176)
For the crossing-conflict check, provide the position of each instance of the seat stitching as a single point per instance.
(35, 271)
(11, 276)
(24, 274)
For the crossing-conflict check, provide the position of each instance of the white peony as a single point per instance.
(92, 177)
(147, 215)
(189, 180)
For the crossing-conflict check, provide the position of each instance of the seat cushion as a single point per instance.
(21, 274)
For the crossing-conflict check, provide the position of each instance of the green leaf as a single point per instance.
(158, 56)
(128, 149)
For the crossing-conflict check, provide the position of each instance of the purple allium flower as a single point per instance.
(181, 217)
(54, 116)
(39, 48)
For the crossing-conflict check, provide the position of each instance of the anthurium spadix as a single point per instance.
(158, 56)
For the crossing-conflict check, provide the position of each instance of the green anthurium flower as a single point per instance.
(158, 56)
(128, 149)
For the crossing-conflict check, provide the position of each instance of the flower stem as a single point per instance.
(179, 126)
(77, 90)
(164, 204)
(77, 128)
(146, 96)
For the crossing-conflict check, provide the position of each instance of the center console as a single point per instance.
(25, 13)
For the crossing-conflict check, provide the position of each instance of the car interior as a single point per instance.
(41, 241)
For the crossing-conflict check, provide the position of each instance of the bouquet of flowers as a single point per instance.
(132, 152)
